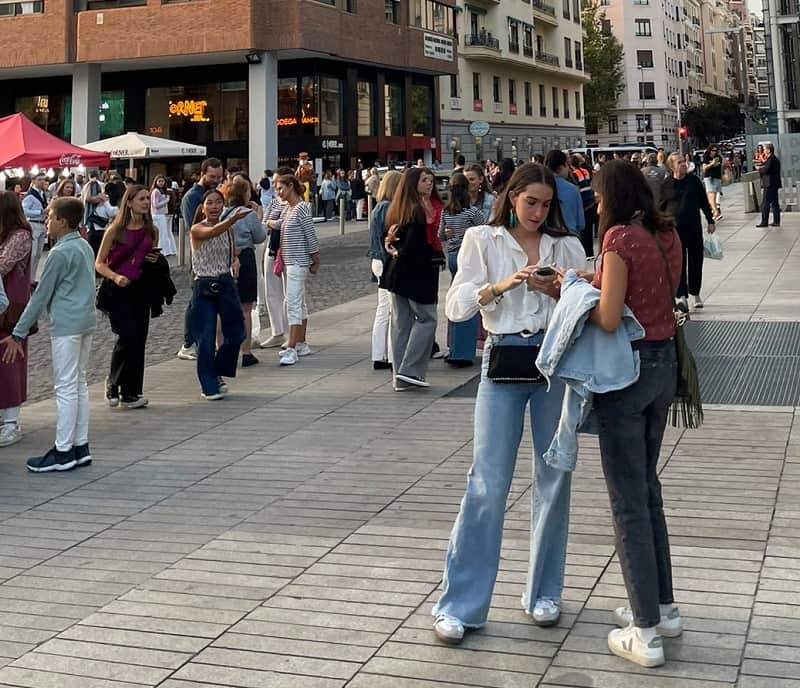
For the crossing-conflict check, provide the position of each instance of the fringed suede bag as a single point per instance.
(687, 410)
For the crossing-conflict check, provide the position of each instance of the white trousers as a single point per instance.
(381, 343)
(166, 240)
(262, 289)
(296, 309)
(70, 359)
(275, 288)
(361, 204)
(37, 247)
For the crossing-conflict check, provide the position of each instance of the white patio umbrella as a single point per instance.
(135, 146)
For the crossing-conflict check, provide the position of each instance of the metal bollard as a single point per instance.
(181, 242)
(342, 205)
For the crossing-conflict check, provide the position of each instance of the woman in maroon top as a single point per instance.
(128, 242)
(638, 246)
(15, 272)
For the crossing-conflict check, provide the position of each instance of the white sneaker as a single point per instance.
(288, 357)
(546, 612)
(10, 433)
(448, 629)
(303, 349)
(629, 644)
(187, 353)
(273, 342)
(670, 626)
(697, 302)
(262, 310)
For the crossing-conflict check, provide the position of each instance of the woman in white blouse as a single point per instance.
(497, 276)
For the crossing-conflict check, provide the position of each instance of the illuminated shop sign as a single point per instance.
(195, 110)
(290, 121)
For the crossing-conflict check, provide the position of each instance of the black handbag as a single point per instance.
(514, 365)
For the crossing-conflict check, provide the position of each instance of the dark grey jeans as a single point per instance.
(632, 423)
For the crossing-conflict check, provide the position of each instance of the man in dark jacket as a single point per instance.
(770, 172)
(683, 197)
(654, 175)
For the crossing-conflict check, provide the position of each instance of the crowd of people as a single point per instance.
(541, 255)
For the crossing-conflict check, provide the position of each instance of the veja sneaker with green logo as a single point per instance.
(629, 644)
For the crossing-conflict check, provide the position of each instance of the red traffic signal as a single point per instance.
(683, 133)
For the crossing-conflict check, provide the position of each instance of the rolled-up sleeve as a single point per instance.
(462, 301)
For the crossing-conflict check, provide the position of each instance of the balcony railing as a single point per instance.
(547, 58)
(513, 47)
(527, 50)
(568, 62)
(482, 40)
(543, 7)
(787, 8)
(579, 65)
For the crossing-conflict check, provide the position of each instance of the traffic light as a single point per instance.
(683, 133)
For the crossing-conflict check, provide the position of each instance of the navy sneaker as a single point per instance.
(53, 460)
(83, 457)
(112, 394)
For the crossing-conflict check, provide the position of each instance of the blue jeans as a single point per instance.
(473, 554)
(463, 335)
(212, 297)
(632, 422)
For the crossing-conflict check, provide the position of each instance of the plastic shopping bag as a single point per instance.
(712, 247)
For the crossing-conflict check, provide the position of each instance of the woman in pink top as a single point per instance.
(128, 242)
(640, 264)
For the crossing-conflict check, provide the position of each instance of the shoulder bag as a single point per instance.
(687, 410)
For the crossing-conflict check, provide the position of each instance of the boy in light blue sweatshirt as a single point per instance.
(66, 289)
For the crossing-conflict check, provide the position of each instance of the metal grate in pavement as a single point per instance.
(742, 363)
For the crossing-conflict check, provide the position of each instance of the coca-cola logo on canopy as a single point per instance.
(69, 160)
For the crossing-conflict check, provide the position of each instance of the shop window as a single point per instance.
(309, 115)
(421, 115)
(231, 108)
(393, 106)
(330, 106)
(9, 8)
(433, 15)
(287, 106)
(53, 113)
(365, 93)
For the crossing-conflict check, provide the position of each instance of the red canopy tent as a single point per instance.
(23, 144)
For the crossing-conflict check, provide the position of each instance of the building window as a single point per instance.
(578, 56)
(641, 2)
(365, 93)
(434, 16)
(512, 92)
(577, 104)
(110, 4)
(498, 98)
(565, 8)
(644, 123)
(567, 52)
(392, 10)
(454, 85)
(576, 11)
(16, 9)
(555, 102)
(642, 27)
(605, 3)
(542, 102)
(393, 109)
(421, 111)
(330, 106)
(565, 94)
(644, 58)
(476, 86)
(527, 40)
(513, 36)
(613, 125)
(528, 100)
(647, 90)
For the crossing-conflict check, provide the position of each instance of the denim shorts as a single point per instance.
(712, 185)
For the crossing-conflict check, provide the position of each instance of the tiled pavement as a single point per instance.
(294, 534)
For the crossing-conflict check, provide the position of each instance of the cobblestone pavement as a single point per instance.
(293, 535)
(345, 275)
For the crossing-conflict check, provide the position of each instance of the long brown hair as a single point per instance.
(478, 169)
(406, 207)
(154, 186)
(63, 183)
(120, 223)
(391, 180)
(458, 190)
(11, 215)
(238, 192)
(627, 198)
(523, 177)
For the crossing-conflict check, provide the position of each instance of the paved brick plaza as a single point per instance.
(294, 534)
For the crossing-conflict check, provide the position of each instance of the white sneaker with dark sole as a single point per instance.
(413, 380)
(670, 626)
(448, 629)
(628, 644)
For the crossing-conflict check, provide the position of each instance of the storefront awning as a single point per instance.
(24, 145)
(133, 146)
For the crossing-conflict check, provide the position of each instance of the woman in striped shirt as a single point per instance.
(457, 217)
(479, 194)
(300, 254)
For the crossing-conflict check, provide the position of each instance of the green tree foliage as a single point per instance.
(603, 60)
(716, 119)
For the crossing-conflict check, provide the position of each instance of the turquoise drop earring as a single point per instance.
(512, 220)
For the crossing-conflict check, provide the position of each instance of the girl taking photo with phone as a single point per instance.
(497, 278)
